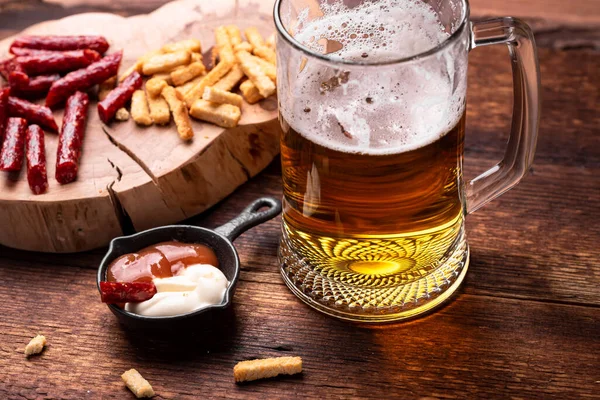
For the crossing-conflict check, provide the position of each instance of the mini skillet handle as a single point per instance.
(250, 217)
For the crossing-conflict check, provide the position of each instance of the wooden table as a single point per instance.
(526, 323)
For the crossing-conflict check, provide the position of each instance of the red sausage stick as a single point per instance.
(4, 93)
(62, 43)
(9, 65)
(11, 155)
(120, 95)
(33, 113)
(36, 160)
(23, 51)
(18, 78)
(70, 139)
(126, 292)
(36, 87)
(49, 63)
(83, 79)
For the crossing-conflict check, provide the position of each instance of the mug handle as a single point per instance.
(526, 108)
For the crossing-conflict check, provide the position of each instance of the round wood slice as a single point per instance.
(138, 177)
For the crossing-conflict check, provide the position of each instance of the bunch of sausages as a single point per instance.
(61, 69)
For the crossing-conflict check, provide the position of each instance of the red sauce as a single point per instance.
(161, 260)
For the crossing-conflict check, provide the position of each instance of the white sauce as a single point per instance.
(195, 287)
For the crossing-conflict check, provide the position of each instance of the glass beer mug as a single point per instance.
(372, 99)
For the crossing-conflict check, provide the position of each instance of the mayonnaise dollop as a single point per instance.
(196, 286)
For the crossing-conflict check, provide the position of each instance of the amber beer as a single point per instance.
(373, 220)
(372, 107)
(371, 153)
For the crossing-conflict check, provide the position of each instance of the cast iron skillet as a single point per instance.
(219, 240)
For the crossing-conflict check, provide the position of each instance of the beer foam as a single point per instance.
(375, 110)
(399, 28)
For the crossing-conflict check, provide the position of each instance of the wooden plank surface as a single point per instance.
(476, 347)
(524, 325)
(577, 13)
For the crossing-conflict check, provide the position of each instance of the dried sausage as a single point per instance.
(33, 113)
(9, 65)
(11, 155)
(119, 96)
(126, 292)
(4, 93)
(36, 87)
(36, 160)
(83, 79)
(18, 78)
(62, 43)
(70, 139)
(48, 63)
(23, 51)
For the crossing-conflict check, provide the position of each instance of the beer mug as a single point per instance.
(372, 99)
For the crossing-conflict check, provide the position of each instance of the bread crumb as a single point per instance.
(139, 109)
(266, 368)
(224, 115)
(137, 384)
(219, 96)
(122, 114)
(35, 345)
(179, 111)
(250, 92)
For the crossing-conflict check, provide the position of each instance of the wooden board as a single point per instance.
(129, 175)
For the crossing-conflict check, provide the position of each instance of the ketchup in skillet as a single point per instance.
(161, 260)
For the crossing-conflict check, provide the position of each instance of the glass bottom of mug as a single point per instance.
(361, 303)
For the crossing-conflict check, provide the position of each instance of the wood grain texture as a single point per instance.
(476, 347)
(524, 325)
(578, 12)
(67, 216)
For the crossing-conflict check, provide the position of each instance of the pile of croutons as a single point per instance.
(179, 84)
